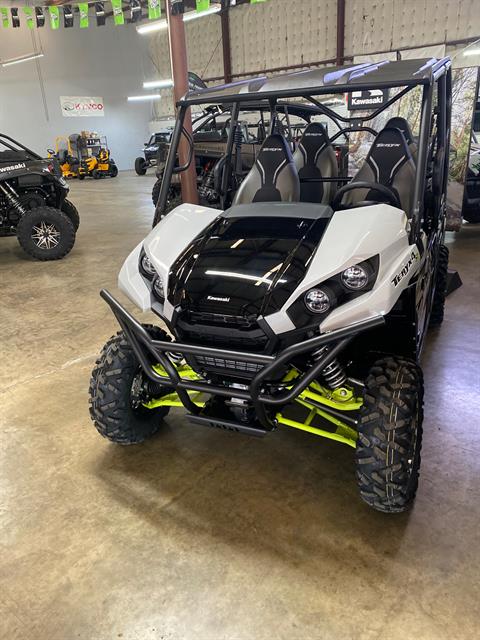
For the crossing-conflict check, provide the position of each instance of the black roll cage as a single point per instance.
(440, 77)
(14, 145)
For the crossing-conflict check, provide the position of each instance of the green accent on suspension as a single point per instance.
(83, 10)
(342, 399)
(5, 18)
(184, 370)
(54, 17)
(343, 433)
(118, 17)
(154, 9)
(28, 11)
(172, 400)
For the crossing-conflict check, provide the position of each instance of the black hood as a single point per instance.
(249, 261)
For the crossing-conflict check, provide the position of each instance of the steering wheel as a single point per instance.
(388, 193)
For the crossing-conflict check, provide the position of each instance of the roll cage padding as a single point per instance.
(389, 162)
(273, 177)
(315, 159)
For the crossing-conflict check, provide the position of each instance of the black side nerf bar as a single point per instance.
(150, 350)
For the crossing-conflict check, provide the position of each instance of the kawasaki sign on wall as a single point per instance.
(75, 106)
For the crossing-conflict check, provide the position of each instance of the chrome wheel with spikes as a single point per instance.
(45, 236)
(46, 233)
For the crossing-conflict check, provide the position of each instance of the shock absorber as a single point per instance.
(238, 139)
(206, 190)
(333, 374)
(12, 198)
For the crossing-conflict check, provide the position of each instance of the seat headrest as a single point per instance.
(274, 151)
(387, 154)
(273, 177)
(400, 123)
(313, 141)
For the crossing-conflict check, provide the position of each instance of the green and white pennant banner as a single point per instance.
(83, 12)
(35, 16)
(54, 14)
(154, 9)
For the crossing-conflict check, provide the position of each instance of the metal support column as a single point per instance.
(227, 51)
(178, 59)
(340, 32)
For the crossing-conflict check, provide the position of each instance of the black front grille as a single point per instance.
(237, 333)
(220, 319)
(216, 330)
(211, 363)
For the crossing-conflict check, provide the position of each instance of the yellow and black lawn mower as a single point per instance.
(98, 166)
(69, 164)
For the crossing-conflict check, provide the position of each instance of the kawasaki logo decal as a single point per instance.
(367, 99)
(217, 299)
(13, 167)
(414, 257)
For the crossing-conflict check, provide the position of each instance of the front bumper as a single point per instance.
(152, 352)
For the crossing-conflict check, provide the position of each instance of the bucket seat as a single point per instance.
(273, 177)
(400, 123)
(389, 162)
(315, 158)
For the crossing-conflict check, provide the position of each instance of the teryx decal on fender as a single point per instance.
(414, 257)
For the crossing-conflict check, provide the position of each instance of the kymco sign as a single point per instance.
(75, 106)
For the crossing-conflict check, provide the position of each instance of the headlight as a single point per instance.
(355, 278)
(157, 287)
(313, 306)
(146, 267)
(318, 301)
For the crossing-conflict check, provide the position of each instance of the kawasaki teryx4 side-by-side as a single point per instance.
(33, 202)
(305, 304)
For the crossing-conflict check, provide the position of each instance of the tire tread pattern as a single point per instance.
(109, 391)
(438, 304)
(393, 397)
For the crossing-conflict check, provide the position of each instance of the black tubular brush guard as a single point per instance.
(144, 346)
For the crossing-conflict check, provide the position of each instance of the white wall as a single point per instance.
(108, 61)
(280, 33)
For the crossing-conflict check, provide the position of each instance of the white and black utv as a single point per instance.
(33, 202)
(150, 151)
(305, 304)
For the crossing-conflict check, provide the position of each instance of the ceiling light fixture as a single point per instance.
(471, 52)
(193, 15)
(160, 25)
(158, 84)
(27, 58)
(147, 96)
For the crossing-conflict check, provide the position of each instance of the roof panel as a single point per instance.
(324, 80)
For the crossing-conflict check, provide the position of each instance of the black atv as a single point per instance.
(150, 151)
(33, 202)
